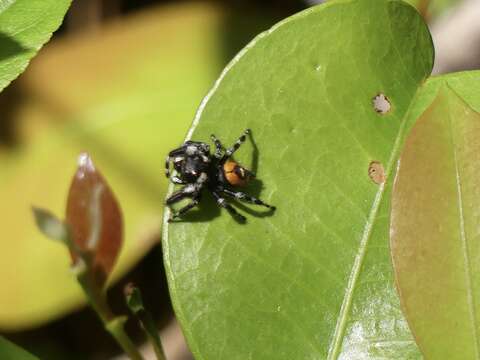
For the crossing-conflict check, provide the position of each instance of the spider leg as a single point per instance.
(179, 195)
(229, 152)
(218, 147)
(176, 180)
(246, 198)
(224, 204)
(171, 155)
(186, 192)
(167, 167)
(177, 152)
(184, 209)
(192, 191)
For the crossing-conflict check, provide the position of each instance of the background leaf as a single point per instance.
(51, 226)
(135, 106)
(25, 25)
(434, 228)
(434, 8)
(314, 281)
(10, 351)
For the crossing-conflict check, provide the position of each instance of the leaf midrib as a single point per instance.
(466, 255)
(339, 334)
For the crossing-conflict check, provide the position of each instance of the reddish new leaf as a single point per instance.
(95, 218)
(435, 227)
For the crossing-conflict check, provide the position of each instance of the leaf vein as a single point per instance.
(466, 255)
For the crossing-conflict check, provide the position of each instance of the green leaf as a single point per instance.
(25, 25)
(50, 225)
(313, 281)
(434, 229)
(10, 351)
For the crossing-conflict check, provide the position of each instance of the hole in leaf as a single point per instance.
(381, 104)
(376, 172)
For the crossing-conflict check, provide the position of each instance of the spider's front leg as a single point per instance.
(180, 195)
(172, 155)
(247, 198)
(184, 209)
(224, 204)
(218, 147)
(176, 180)
(192, 191)
(167, 166)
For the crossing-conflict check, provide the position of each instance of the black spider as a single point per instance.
(198, 169)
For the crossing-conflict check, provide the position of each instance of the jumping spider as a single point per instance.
(198, 169)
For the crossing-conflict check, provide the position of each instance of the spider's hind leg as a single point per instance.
(246, 198)
(229, 152)
(231, 210)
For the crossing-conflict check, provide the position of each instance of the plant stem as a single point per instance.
(113, 324)
(152, 333)
(116, 328)
(135, 303)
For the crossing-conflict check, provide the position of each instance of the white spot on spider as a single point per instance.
(381, 104)
(203, 177)
(178, 159)
(177, 180)
(189, 189)
(191, 149)
(239, 195)
(221, 201)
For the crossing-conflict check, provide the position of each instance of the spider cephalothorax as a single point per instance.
(197, 169)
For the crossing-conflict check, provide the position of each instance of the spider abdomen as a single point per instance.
(235, 174)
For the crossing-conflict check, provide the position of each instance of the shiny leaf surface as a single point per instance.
(25, 25)
(434, 229)
(313, 281)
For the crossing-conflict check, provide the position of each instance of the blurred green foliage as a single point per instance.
(126, 95)
(25, 25)
(10, 351)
